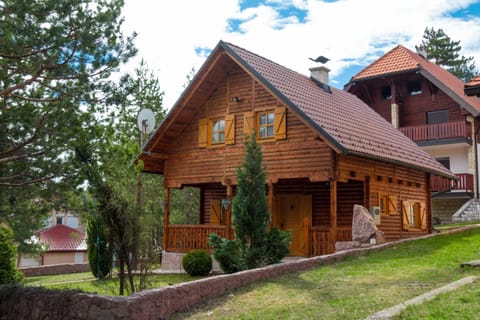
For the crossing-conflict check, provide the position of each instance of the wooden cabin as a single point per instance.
(324, 150)
(428, 104)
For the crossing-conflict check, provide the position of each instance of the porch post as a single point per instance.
(333, 216)
(428, 203)
(395, 112)
(166, 217)
(270, 203)
(229, 212)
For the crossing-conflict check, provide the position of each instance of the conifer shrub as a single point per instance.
(9, 273)
(197, 263)
(100, 253)
(256, 244)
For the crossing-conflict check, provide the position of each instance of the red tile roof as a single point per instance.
(474, 82)
(346, 122)
(63, 238)
(472, 87)
(402, 60)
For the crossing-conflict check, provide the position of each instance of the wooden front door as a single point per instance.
(291, 210)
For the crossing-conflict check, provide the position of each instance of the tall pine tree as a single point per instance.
(444, 51)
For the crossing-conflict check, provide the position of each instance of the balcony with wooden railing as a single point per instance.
(440, 184)
(439, 131)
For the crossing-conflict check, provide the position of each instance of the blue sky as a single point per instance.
(176, 36)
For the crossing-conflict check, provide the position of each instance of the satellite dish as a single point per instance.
(145, 121)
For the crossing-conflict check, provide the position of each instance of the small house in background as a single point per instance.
(428, 104)
(324, 149)
(63, 245)
(472, 88)
(64, 240)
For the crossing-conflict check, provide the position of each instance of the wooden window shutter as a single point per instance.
(405, 221)
(248, 123)
(280, 126)
(392, 205)
(203, 133)
(423, 216)
(215, 216)
(230, 129)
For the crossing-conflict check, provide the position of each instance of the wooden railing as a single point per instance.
(438, 131)
(438, 184)
(321, 237)
(188, 237)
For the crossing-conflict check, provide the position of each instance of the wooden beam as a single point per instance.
(166, 218)
(229, 211)
(271, 203)
(428, 202)
(333, 216)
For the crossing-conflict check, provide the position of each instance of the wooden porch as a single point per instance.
(185, 238)
(439, 131)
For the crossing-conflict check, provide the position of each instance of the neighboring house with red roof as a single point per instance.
(428, 104)
(323, 148)
(63, 245)
(472, 88)
(64, 241)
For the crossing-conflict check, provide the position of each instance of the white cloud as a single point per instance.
(347, 31)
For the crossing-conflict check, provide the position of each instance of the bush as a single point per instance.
(197, 263)
(278, 245)
(8, 269)
(228, 253)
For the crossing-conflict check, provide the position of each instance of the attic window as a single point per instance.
(218, 131)
(414, 88)
(386, 92)
(265, 122)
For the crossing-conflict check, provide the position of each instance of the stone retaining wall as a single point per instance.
(55, 269)
(24, 303)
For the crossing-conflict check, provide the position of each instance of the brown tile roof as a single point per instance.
(63, 238)
(344, 121)
(402, 60)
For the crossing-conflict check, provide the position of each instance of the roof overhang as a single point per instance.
(451, 93)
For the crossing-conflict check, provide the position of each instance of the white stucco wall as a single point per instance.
(457, 153)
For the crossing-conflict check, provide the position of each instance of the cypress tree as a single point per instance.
(99, 250)
(8, 270)
(255, 245)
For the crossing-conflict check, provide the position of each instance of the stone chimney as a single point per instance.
(320, 74)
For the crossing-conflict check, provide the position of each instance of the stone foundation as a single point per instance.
(444, 208)
(55, 269)
(172, 263)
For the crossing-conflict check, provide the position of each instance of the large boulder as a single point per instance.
(364, 228)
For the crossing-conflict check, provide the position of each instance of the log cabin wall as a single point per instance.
(301, 154)
(401, 184)
(349, 194)
(210, 192)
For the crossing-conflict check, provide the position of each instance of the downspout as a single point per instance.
(475, 148)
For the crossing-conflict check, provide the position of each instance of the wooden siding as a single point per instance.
(302, 154)
(412, 108)
(401, 183)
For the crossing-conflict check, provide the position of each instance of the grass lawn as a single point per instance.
(87, 283)
(355, 288)
(462, 303)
